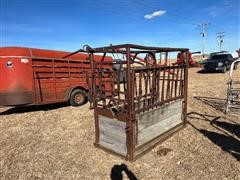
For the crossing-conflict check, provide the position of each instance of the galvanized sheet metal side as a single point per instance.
(112, 134)
(157, 121)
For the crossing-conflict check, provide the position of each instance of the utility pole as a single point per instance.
(220, 37)
(203, 33)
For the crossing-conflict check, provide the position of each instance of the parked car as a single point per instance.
(219, 62)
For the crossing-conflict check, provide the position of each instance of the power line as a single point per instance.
(220, 37)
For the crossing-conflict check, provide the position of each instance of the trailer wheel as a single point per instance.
(235, 66)
(78, 97)
(224, 69)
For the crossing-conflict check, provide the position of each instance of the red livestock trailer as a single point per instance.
(39, 76)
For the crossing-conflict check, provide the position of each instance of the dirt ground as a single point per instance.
(56, 141)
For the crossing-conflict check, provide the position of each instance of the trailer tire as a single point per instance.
(78, 97)
(224, 69)
(235, 66)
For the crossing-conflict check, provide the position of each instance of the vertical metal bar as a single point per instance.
(125, 90)
(154, 71)
(133, 115)
(93, 80)
(96, 127)
(181, 81)
(100, 75)
(172, 83)
(93, 67)
(168, 84)
(129, 108)
(140, 90)
(153, 86)
(185, 87)
(119, 73)
(135, 86)
(163, 84)
(150, 86)
(158, 84)
(176, 82)
(146, 89)
(111, 78)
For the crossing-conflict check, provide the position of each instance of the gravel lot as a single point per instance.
(56, 141)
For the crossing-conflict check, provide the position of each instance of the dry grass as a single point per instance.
(53, 142)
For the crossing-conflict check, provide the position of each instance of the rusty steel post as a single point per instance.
(129, 108)
(93, 92)
(185, 86)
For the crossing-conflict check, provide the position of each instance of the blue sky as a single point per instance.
(69, 24)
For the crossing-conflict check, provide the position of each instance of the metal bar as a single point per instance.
(157, 104)
(134, 46)
(101, 88)
(71, 54)
(129, 108)
(93, 67)
(176, 82)
(112, 82)
(163, 84)
(158, 85)
(118, 81)
(157, 68)
(185, 88)
(140, 89)
(168, 86)
(96, 127)
(103, 57)
(150, 86)
(135, 85)
(134, 57)
(153, 86)
(172, 83)
(146, 89)
(181, 82)
(133, 117)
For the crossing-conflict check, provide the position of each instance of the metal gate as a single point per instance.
(138, 99)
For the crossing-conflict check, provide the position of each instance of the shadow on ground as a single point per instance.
(227, 135)
(24, 109)
(216, 103)
(116, 172)
(202, 71)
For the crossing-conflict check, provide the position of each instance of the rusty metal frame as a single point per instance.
(176, 76)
